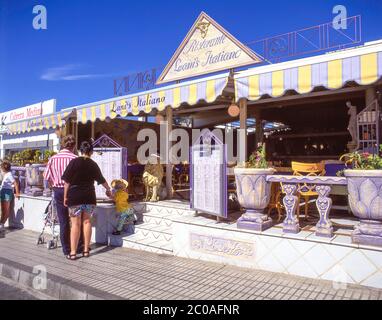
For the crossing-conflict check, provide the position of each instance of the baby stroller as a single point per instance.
(51, 221)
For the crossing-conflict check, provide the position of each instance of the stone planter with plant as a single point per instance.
(253, 191)
(365, 195)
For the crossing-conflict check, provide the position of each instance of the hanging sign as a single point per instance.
(207, 48)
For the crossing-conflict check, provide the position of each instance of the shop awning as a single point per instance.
(39, 123)
(362, 65)
(188, 92)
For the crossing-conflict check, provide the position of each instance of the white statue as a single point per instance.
(352, 127)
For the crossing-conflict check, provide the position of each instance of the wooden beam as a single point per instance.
(201, 109)
(302, 98)
(308, 135)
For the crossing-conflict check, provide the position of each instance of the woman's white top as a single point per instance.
(8, 181)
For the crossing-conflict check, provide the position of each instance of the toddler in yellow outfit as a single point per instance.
(123, 208)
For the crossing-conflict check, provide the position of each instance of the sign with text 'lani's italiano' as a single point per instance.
(207, 48)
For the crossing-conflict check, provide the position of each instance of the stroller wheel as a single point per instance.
(50, 244)
(40, 240)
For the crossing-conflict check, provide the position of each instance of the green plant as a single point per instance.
(363, 160)
(30, 156)
(16, 159)
(257, 159)
(37, 156)
(47, 155)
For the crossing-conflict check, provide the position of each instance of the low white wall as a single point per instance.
(29, 214)
(314, 259)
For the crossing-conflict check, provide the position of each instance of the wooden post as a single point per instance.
(2, 153)
(169, 122)
(76, 133)
(370, 96)
(242, 145)
(92, 130)
(259, 128)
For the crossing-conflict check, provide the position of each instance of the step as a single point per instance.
(168, 210)
(178, 204)
(154, 231)
(140, 242)
(157, 220)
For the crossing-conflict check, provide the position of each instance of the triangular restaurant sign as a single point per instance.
(207, 48)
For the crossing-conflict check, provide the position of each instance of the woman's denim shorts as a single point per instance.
(6, 195)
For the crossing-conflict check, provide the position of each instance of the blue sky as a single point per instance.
(89, 43)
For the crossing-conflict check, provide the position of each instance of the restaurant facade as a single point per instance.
(307, 111)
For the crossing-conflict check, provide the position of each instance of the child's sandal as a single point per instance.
(86, 254)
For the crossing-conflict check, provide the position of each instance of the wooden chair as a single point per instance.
(306, 190)
(275, 201)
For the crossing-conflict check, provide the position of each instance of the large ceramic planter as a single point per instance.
(365, 201)
(253, 192)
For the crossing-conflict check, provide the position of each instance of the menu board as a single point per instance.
(209, 182)
(113, 165)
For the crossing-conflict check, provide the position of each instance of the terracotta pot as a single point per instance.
(253, 192)
(365, 201)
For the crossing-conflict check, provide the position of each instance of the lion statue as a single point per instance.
(152, 178)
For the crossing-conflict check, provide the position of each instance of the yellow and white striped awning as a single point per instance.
(189, 93)
(362, 65)
(39, 123)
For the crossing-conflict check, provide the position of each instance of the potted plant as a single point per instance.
(365, 195)
(253, 191)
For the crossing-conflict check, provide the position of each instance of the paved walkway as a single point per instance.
(115, 273)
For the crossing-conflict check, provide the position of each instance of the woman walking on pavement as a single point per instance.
(80, 196)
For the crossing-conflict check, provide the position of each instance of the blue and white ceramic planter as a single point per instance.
(365, 201)
(253, 192)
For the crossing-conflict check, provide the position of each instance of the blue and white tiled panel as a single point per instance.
(318, 260)
(162, 209)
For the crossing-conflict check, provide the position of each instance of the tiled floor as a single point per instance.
(133, 274)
